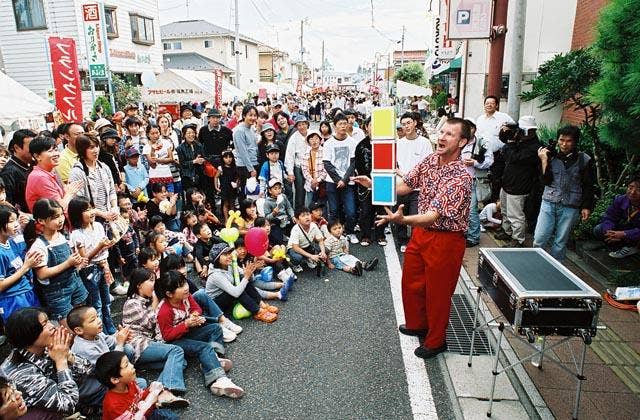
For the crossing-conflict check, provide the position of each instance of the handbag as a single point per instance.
(483, 186)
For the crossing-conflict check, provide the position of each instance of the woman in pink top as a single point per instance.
(43, 181)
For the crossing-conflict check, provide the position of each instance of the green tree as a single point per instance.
(125, 91)
(102, 101)
(565, 80)
(411, 73)
(618, 90)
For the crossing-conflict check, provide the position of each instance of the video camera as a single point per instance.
(510, 133)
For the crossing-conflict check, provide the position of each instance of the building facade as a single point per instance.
(133, 38)
(216, 43)
(275, 65)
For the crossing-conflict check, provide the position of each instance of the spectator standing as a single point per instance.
(244, 141)
(293, 159)
(69, 155)
(15, 171)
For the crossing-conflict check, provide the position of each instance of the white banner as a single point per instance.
(96, 50)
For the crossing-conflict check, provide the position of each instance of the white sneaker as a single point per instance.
(482, 229)
(387, 230)
(235, 328)
(403, 248)
(227, 335)
(298, 268)
(119, 290)
(353, 239)
(311, 264)
(226, 364)
(356, 228)
(624, 252)
(224, 387)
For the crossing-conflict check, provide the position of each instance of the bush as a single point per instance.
(583, 229)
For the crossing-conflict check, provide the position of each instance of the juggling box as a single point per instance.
(383, 123)
(383, 144)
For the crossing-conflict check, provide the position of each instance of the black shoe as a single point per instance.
(358, 269)
(514, 244)
(502, 236)
(426, 353)
(370, 265)
(471, 244)
(416, 333)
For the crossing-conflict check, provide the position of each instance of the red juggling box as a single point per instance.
(384, 156)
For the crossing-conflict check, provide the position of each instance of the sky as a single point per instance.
(344, 25)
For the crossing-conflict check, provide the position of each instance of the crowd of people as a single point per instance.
(141, 205)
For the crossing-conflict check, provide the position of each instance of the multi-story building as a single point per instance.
(133, 38)
(275, 65)
(215, 43)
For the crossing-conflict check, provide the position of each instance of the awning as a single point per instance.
(16, 101)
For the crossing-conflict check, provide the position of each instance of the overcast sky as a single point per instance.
(344, 25)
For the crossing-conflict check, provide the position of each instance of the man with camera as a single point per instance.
(521, 170)
(477, 159)
(568, 191)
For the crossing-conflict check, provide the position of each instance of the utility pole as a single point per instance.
(402, 55)
(517, 52)
(322, 68)
(236, 49)
(496, 55)
(300, 74)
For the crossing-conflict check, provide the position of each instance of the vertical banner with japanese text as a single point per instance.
(96, 51)
(66, 78)
(217, 94)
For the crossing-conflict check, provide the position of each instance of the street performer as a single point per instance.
(434, 254)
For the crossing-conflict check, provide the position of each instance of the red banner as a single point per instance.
(217, 86)
(66, 78)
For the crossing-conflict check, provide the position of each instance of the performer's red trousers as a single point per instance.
(430, 272)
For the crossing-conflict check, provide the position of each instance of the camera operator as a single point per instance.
(477, 159)
(568, 191)
(521, 169)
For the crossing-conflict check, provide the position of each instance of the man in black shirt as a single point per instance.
(15, 171)
(215, 138)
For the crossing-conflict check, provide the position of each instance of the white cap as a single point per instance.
(527, 122)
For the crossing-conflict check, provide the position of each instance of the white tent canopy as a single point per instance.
(409, 89)
(18, 102)
(272, 88)
(187, 86)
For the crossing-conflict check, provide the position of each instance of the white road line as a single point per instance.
(422, 405)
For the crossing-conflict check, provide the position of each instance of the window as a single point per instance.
(111, 21)
(166, 46)
(29, 14)
(208, 43)
(246, 51)
(142, 30)
(177, 45)
(233, 48)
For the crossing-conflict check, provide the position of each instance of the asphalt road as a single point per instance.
(332, 354)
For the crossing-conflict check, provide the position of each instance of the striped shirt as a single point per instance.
(140, 317)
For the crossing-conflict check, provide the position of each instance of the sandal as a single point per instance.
(265, 316)
(272, 309)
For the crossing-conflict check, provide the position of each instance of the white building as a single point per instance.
(215, 43)
(132, 28)
(548, 31)
(336, 79)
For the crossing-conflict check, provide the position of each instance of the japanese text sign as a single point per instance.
(96, 52)
(66, 78)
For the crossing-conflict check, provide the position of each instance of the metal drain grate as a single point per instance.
(461, 327)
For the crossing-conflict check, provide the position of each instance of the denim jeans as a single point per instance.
(169, 358)
(297, 259)
(553, 228)
(203, 342)
(342, 205)
(93, 279)
(473, 231)
(211, 310)
(368, 212)
(163, 414)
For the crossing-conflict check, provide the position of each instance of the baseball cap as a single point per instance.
(267, 126)
(274, 181)
(273, 148)
(316, 205)
(131, 152)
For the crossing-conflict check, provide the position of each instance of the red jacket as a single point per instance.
(171, 319)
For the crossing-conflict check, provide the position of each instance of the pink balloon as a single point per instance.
(256, 241)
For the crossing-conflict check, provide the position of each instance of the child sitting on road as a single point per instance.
(278, 212)
(148, 258)
(306, 243)
(317, 217)
(90, 341)
(221, 286)
(177, 241)
(337, 246)
(263, 279)
(181, 323)
(124, 399)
